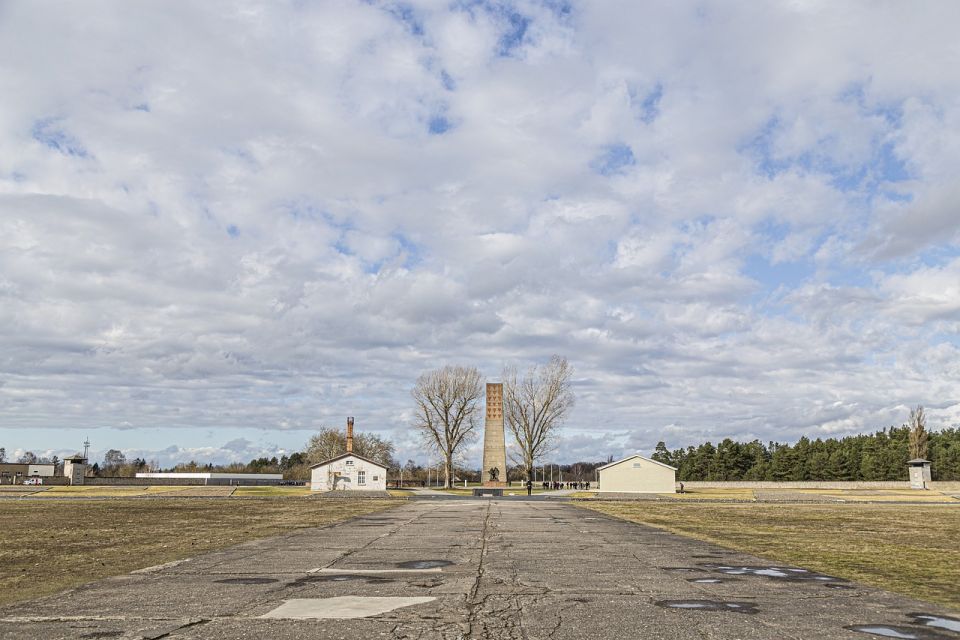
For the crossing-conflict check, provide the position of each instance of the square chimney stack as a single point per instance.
(350, 434)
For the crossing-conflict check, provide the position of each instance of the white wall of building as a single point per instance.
(637, 474)
(348, 473)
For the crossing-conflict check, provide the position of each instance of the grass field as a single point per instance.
(50, 545)
(908, 549)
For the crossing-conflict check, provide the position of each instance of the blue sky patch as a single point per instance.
(613, 159)
(49, 132)
(407, 16)
(650, 105)
(439, 125)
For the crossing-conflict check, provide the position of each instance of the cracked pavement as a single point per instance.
(494, 568)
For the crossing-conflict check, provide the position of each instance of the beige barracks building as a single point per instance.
(637, 474)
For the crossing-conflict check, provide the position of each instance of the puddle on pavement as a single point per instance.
(937, 622)
(777, 573)
(895, 631)
(343, 577)
(424, 564)
(708, 580)
(708, 605)
(247, 581)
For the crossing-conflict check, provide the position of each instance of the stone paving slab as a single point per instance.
(475, 569)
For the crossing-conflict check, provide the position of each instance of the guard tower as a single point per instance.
(919, 473)
(75, 469)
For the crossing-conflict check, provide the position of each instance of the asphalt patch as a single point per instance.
(340, 578)
(247, 581)
(708, 605)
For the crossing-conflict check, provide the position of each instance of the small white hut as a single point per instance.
(348, 471)
(637, 474)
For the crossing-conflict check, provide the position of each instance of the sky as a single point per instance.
(224, 225)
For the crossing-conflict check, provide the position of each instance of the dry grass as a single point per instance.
(909, 549)
(283, 492)
(50, 545)
(104, 491)
(712, 494)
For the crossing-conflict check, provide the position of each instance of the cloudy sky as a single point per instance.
(225, 224)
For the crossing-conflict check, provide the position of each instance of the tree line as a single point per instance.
(882, 455)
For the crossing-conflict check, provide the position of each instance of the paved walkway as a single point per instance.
(473, 569)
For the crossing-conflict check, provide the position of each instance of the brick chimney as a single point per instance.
(350, 435)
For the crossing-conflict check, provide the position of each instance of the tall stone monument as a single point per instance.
(494, 445)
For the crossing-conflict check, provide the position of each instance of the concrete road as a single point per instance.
(475, 569)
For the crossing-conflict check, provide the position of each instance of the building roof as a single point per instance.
(918, 461)
(344, 455)
(636, 455)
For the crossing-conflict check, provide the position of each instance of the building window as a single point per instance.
(361, 477)
(349, 463)
(375, 478)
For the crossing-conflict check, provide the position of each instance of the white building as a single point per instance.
(637, 474)
(346, 472)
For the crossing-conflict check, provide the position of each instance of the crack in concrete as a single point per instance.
(472, 604)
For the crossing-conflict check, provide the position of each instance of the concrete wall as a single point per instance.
(746, 484)
(637, 475)
(179, 482)
(177, 475)
(322, 478)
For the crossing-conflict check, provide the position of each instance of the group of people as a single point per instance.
(556, 486)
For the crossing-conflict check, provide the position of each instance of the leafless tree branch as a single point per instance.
(447, 408)
(535, 406)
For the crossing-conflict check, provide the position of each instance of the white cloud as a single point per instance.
(252, 217)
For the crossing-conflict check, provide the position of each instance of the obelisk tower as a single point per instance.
(494, 472)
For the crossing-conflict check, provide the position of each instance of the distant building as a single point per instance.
(219, 478)
(348, 471)
(17, 472)
(637, 474)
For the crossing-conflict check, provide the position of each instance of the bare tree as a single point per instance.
(448, 408)
(329, 443)
(535, 406)
(918, 433)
